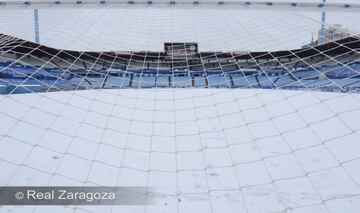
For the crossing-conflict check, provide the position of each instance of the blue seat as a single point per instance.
(217, 81)
(182, 81)
(199, 81)
(162, 81)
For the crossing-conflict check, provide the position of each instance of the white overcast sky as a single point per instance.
(146, 29)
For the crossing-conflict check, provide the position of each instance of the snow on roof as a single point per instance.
(219, 150)
(148, 28)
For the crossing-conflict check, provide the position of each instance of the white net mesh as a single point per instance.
(251, 122)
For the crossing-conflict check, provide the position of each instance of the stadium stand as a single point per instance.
(47, 79)
(252, 70)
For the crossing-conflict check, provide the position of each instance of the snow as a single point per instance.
(203, 150)
(106, 28)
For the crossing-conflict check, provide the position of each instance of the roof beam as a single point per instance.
(176, 3)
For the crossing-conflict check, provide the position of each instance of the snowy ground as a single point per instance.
(204, 150)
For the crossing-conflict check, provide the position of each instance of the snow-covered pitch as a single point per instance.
(198, 150)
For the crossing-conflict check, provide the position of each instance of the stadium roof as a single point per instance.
(147, 28)
(20, 46)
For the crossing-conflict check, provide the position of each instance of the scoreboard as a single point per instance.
(181, 50)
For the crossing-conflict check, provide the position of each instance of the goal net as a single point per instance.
(216, 106)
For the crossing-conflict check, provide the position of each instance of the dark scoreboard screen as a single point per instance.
(181, 50)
